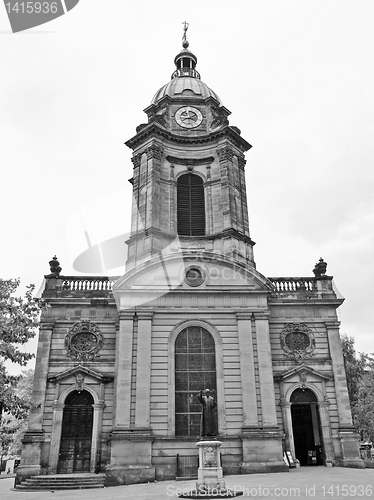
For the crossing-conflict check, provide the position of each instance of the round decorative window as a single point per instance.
(297, 341)
(194, 276)
(84, 341)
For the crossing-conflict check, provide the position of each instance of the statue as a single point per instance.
(208, 418)
(320, 268)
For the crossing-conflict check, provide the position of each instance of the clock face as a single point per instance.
(188, 117)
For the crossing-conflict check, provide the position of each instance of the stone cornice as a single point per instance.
(153, 129)
(190, 161)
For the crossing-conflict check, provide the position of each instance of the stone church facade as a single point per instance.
(121, 360)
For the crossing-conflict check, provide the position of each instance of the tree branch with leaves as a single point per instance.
(19, 319)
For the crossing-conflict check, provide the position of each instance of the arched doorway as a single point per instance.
(306, 427)
(76, 434)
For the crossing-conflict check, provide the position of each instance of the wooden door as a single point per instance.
(76, 435)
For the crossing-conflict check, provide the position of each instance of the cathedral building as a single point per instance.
(121, 361)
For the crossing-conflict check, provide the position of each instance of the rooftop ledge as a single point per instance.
(101, 286)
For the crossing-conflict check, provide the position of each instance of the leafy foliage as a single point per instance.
(18, 321)
(12, 428)
(359, 369)
(354, 367)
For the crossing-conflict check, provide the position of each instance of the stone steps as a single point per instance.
(62, 482)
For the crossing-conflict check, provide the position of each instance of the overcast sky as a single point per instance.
(298, 77)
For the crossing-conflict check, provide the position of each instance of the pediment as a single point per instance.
(76, 370)
(303, 371)
(169, 273)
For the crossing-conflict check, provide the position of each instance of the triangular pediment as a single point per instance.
(302, 369)
(80, 370)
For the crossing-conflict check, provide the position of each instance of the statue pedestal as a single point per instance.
(210, 482)
(210, 472)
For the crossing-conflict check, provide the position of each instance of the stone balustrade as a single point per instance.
(290, 285)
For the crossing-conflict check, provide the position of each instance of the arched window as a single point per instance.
(190, 206)
(195, 369)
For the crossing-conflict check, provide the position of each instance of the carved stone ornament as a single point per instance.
(210, 459)
(84, 341)
(194, 276)
(79, 381)
(297, 341)
(303, 379)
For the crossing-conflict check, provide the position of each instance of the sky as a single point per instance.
(298, 78)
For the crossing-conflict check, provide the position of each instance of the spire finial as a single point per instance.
(185, 42)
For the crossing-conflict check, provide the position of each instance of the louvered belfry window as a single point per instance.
(191, 206)
(195, 370)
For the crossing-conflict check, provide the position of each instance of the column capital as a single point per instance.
(243, 315)
(324, 404)
(58, 406)
(141, 315)
(154, 151)
(225, 153)
(261, 315)
(241, 162)
(136, 160)
(332, 325)
(128, 314)
(98, 406)
(47, 325)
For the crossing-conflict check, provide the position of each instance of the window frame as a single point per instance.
(221, 415)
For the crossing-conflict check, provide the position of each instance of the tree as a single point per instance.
(12, 429)
(363, 413)
(18, 322)
(359, 368)
(354, 367)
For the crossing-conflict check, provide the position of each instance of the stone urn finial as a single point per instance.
(55, 266)
(320, 268)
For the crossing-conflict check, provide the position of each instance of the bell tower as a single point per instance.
(188, 180)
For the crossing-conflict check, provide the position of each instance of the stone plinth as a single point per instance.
(210, 482)
(210, 472)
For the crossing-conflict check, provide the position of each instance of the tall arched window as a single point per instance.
(195, 369)
(190, 205)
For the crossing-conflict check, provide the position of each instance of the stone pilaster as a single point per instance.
(96, 434)
(225, 155)
(58, 411)
(143, 371)
(154, 155)
(265, 369)
(34, 438)
(247, 370)
(326, 431)
(288, 428)
(262, 445)
(131, 448)
(348, 436)
(123, 370)
(40, 377)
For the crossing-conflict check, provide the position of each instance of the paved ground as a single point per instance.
(306, 482)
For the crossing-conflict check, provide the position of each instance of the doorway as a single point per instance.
(76, 433)
(306, 427)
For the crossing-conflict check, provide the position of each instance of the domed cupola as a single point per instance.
(186, 105)
(185, 61)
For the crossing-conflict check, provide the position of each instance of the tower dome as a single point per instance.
(185, 80)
